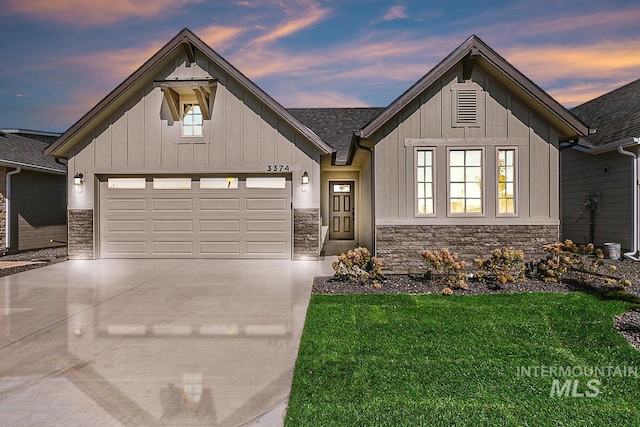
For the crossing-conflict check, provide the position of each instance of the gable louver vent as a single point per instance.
(467, 111)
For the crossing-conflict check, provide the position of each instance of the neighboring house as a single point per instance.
(189, 158)
(599, 172)
(32, 192)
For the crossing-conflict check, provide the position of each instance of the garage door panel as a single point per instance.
(220, 248)
(263, 204)
(173, 248)
(279, 226)
(220, 205)
(209, 223)
(263, 248)
(168, 225)
(127, 226)
(133, 204)
(220, 225)
(181, 204)
(127, 248)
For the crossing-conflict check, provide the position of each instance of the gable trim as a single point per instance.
(470, 53)
(189, 40)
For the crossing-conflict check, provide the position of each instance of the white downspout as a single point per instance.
(7, 222)
(634, 189)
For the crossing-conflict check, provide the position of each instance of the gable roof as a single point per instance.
(17, 151)
(474, 50)
(188, 41)
(614, 115)
(336, 126)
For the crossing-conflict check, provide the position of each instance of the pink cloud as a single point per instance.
(310, 15)
(93, 12)
(395, 12)
(320, 99)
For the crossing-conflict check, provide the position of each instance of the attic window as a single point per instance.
(191, 120)
(465, 107)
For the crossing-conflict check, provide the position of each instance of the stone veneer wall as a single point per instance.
(400, 246)
(80, 237)
(306, 233)
(3, 209)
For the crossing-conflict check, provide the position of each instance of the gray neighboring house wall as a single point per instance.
(598, 183)
(32, 192)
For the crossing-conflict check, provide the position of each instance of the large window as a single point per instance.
(424, 177)
(465, 182)
(191, 120)
(506, 181)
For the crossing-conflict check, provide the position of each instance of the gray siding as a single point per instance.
(607, 175)
(39, 210)
(503, 121)
(3, 206)
(243, 135)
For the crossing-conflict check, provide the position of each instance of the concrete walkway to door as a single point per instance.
(152, 342)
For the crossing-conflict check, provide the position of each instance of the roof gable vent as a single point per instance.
(466, 107)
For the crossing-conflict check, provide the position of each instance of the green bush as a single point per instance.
(357, 264)
(446, 263)
(504, 266)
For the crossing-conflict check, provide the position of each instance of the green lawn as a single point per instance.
(431, 360)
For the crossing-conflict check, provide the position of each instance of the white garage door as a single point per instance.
(176, 218)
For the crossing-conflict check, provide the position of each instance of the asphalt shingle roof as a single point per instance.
(336, 125)
(26, 152)
(614, 115)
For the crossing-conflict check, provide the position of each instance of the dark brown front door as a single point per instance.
(342, 210)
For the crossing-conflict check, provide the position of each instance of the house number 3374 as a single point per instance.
(277, 168)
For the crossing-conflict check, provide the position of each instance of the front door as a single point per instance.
(342, 210)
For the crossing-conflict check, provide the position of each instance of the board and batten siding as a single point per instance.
(243, 136)
(503, 121)
(608, 176)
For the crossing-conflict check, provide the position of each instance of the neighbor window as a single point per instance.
(266, 182)
(424, 181)
(172, 183)
(191, 120)
(465, 181)
(506, 181)
(218, 183)
(127, 183)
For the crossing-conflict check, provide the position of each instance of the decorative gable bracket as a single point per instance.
(469, 62)
(204, 90)
(189, 50)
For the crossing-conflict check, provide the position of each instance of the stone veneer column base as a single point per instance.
(306, 233)
(400, 246)
(80, 239)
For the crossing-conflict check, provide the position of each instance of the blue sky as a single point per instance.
(60, 57)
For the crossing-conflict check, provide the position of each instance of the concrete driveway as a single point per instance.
(151, 342)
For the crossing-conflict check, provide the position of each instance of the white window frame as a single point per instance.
(416, 183)
(483, 173)
(183, 107)
(515, 181)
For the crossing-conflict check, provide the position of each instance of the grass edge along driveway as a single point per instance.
(464, 360)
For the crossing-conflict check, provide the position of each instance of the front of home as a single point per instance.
(189, 158)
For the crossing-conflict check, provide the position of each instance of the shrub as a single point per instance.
(446, 263)
(357, 264)
(566, 256)
(504, 266)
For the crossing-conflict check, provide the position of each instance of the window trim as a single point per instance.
(483, 193)
(416, 213)
(516, 182)
(184, 103)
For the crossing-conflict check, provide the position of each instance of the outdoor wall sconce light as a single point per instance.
(78, 181)
(304, 185)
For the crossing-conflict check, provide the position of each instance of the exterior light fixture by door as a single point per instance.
(304, 185)
(78, 181)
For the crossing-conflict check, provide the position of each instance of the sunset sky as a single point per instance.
(60, 57)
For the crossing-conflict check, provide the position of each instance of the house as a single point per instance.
(32, 192)
(189, 158)
(600, 172)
